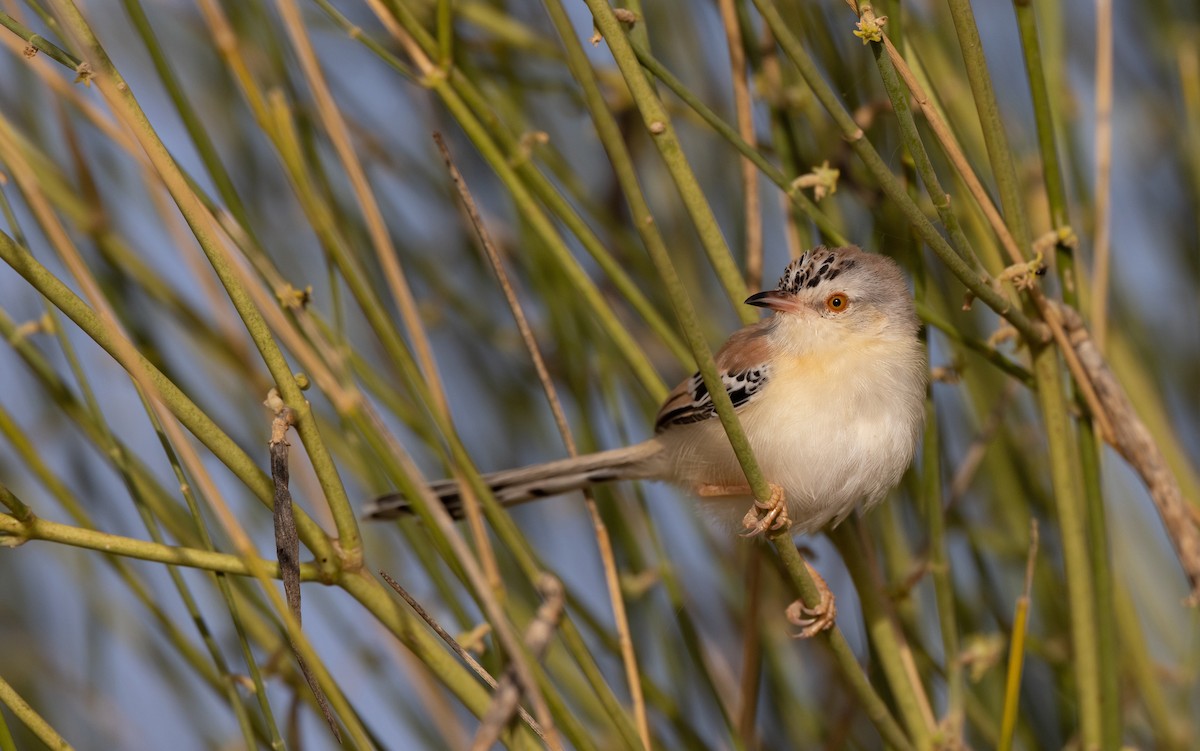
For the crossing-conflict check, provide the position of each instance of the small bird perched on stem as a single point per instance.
(829, 390)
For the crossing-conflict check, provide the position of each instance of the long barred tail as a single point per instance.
(513, 486)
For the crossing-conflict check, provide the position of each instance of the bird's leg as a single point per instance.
(707, 490)
(764, 516)
(814, 620)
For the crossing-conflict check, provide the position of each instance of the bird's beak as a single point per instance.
(773, 299)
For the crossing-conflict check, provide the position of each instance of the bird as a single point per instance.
(829, 389)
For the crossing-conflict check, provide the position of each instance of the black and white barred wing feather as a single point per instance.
(694, 402)
(742, 365)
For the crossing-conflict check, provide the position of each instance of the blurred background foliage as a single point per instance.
(259, 194)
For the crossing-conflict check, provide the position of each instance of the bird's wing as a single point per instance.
(744, 369)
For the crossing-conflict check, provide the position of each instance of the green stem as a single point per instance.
(994, 136)
(41, 44)
(872, 704)
(884, 632)
(20, 512)
(1106, 626)
(1056, 194)
(31, 719)
(1072, 521)
(985, 350)
(658, 124)
(356, 33)
(943, 585)
(17, 532)
(1100, 556)
(445, 33)
(916, 148)
(6, 740)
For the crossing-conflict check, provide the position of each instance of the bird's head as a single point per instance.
(842, 291)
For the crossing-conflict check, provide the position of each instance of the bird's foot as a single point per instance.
(814, 620)
(767, 516)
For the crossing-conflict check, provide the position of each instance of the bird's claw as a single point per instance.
(814, 620)
(767, 516)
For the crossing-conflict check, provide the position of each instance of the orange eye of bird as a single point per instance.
(837, 302)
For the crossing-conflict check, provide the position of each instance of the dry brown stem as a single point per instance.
(1133, 441)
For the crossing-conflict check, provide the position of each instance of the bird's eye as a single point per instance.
(837, 302)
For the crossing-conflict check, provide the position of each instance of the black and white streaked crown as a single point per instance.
(813, 267)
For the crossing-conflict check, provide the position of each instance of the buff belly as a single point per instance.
(830, 448)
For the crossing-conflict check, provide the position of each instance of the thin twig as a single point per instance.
(16, 531)
(20, 511)
(745, 123)
(287, 542)
(608, 561)
(38, 43)
(1095, 406)
(975, 452)
(457, 648)
(1103, 192)
(473, 572)
(537, 638)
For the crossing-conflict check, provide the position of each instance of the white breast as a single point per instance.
(833, 432)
